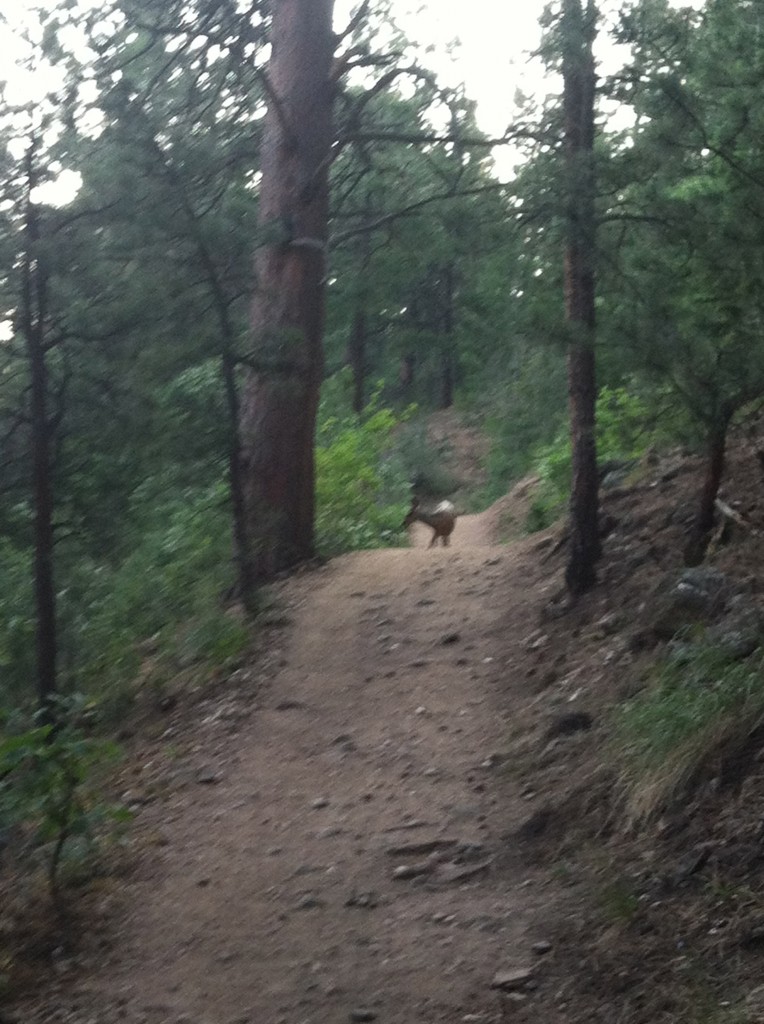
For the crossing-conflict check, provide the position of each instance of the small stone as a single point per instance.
(512, 980)
(406, 871)
(450, 638)
(289, 705)
(540, 948)
(310, 902)
(319, 802)
(361, 1014)
(207, 777)
(570, 722)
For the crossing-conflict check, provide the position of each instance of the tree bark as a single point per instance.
(447, 340)
(695, 551)
(579, 78)
(357, 359)
(33, 316)
(280, 398)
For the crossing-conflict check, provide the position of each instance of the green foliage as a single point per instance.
(17, 633)
(361, 489)
(48, 779)
(168, 589)
(424, 463)
(701, 698)
(525, 402)
(625, 429)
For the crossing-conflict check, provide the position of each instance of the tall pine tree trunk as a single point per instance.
(578, 32)
(33, 316)
(280, 398)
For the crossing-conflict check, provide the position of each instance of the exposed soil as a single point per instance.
(405, 792)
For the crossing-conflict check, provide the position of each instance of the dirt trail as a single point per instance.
(267, 890)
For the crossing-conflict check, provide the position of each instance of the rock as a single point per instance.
(541, 948)
(364, 900)
(691, 863)
(361, 1014)
(406, 871)
(740, 632)
(450, 873)
(450, 638)
(496, 759)
(346, 741)
(752, 933)
(512, 980)
(470, 851)
(289, 705)
(537, 824)
(320, 802)
(309, 901)
(696, 595)
(207, 777)
(568, 723)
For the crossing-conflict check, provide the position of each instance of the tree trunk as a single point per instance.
(33, 316)
(447, 341)
(357, 359)
(579, 90)
(695, 551)
(281, 395)
(241, 548)
(406, 371)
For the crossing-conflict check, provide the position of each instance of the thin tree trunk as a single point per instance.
(357, 359)
(695, 551)
(241, 547)
(406, 371)
(447, 342)
(359, 328)
(579, 90)
(242, 556)
(33, 315)
(280, 399)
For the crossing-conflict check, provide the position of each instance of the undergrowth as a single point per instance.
(700, 700)
(361, 480)
(626, 428)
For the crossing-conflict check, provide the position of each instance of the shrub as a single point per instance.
(625, 429)
(361, 489)
(168, 588)
(47, 783)
(17, 627)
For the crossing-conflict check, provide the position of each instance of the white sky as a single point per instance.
(496, 37)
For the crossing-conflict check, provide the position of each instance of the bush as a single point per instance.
(17, 627)
(361, 487)
(47, 777)
(625, 429)
(168, 589)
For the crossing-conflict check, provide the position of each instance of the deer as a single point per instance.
(442, 519)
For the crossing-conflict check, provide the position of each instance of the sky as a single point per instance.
(496, 38)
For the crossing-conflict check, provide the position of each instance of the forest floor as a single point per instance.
(377, 817)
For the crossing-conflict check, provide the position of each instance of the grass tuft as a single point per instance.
(701, 702)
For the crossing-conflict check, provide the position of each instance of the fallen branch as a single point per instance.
(729, 513)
